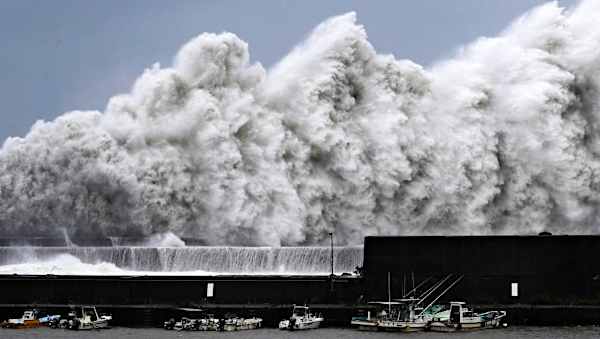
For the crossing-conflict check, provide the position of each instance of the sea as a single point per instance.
(525, 332)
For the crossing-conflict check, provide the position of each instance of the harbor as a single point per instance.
(517, 270)
(192, 168)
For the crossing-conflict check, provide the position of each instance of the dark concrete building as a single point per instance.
(497, 270)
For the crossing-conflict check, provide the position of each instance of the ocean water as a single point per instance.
(324, 333)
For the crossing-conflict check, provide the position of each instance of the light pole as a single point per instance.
(331, 237)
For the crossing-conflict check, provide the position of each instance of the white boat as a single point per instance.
(28, 320)
(240, 324)
(397, 315)
(209, 323)
(184, 324)
(89, 319)
(301, 319)
(404, 317)
(461, 318)
(384, 311)
(368, 321)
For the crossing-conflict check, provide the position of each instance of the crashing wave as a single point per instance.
(502, 138)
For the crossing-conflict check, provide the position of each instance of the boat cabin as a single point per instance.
(300, 311)
(459, 313)
(28, 315)
(385, 310)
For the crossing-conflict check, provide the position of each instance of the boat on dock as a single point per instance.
(301, 319)
(462, 318)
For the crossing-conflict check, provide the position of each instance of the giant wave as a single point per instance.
(502, 138)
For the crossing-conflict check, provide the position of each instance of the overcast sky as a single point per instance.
(64, 55)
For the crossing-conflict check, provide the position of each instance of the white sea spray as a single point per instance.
(502, 138)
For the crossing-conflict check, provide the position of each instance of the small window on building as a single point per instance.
(514, 289)
(210, 289)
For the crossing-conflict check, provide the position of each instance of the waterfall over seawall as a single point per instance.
(196, 260)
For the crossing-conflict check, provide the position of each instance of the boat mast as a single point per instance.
(441, 294)
(414, 290)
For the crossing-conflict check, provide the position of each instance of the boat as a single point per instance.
(186, 324)
(50, 320)
(192, 319)
(240, 324)
(367, 321)
(28, 320)
(301, 319)
(88, 319)
(397, 315)
(209, 323)
(404, 317)
(461, 318)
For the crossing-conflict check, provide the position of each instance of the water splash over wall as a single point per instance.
(218, 260)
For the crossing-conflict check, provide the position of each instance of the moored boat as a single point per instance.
(240, 324)
(49, 320)
(207, 322)
(461, 318)
(404, 318)
(28, 320)
(88, 319)
(301, 319)
(367, 320)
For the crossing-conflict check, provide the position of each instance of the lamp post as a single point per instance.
(331, 237)
(331, 276)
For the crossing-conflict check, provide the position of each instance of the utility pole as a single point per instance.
(331, 276)
(331, 237)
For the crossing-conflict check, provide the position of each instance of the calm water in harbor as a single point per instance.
(325, 333)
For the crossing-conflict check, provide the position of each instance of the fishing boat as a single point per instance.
(399, 315)
(461, 318)
(404, 318)
(301, 319)
(28, 320)
(369, 319)
(88, 319)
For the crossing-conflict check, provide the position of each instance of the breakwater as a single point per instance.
(199, 260)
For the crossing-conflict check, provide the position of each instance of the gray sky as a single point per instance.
(64, 55)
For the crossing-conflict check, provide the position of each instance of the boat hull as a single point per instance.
(22, 324)
(300, 325)
(401, 326)
(364, 325)
(447, 327)
(242, 325)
